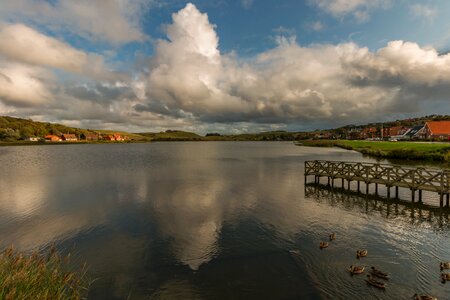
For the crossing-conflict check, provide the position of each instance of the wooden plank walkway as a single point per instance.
(415, 179)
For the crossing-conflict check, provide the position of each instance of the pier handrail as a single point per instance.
(419, 178)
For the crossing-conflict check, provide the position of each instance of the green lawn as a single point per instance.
(402, 150)
(389, 146)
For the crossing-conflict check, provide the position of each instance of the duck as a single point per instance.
(379, 273)
(445, 265)
(445, 277)
(332, 236)
(378, 284)
(424, 297)
(361, 253)
(356, 269)
(323, 245)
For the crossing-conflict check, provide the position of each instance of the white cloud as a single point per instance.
(16, 40)
(116, 21)
(189, 77)
(359, 9)
(23, 85)
(423, 11)
(188, 84)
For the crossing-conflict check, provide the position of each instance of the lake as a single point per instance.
(215, 220)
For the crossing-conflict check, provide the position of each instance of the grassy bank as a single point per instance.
(39, 277)
(397, 150)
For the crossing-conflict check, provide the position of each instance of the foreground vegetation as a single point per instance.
(39, 277)
(398, 150)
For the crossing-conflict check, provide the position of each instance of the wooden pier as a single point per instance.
(391, 176)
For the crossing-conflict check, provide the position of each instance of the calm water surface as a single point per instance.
(215, 220)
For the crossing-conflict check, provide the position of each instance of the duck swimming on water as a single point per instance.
(323, 245)
(445, 265)
(379, 273)
(356, 269)
(332, 236)
(361, 253)
(378, 284)
(424, 297)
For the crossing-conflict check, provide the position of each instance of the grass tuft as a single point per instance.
(38, 276)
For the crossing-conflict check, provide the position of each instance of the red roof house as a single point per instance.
(394, 131)
(437, 130)
(368, 133)
(68, 137)
(52, 138)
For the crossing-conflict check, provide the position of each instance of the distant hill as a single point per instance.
(172, 135)
(15, 129)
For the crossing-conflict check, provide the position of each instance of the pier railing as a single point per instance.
(416, 179)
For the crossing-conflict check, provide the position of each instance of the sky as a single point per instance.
(223, 66)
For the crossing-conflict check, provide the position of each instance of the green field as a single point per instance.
(400, 150)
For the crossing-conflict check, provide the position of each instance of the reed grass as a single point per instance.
(39, 276)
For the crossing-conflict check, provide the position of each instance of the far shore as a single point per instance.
(409, 150)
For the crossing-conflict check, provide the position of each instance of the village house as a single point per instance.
(119, 138)
(368, 133)
(437, 130)
(90, 137)
(69, 137)
(52, 138)
(415, 133)
(395, 132)
(115, 137)
(109, 137)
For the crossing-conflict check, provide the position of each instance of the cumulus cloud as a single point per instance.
(23, 85)
(358, 8)
(189, 84)
(16, 40)
(190, 79)
(115, 21)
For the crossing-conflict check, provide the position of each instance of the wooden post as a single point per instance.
(376, 188)
(388, 192)
(332, 182)
(420, 195)
(348, 185)
(358, 186)
(396, 192)
(447, 199)
(367, 188)
(441, 199)
(413, 195)
(328, 181)
(342, 182)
